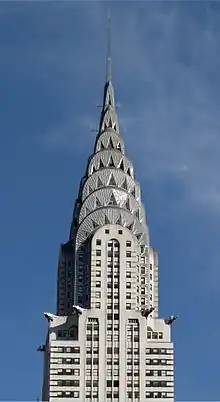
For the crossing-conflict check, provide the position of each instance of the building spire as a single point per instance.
(108, 59)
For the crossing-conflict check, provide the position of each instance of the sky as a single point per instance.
(166, 63)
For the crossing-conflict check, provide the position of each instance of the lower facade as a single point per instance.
(91, 357)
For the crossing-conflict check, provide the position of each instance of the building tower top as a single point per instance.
(109, 192)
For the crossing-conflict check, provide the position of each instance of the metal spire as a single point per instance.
(108, 60)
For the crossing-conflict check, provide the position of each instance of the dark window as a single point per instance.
(120, 232)
(106, 230)
(98, 253)
(98, 242)
(128, 253)
(109, 383)
(128, 243)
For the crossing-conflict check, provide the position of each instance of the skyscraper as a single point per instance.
(106, 342)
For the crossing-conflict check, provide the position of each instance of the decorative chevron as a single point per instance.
(109, 193)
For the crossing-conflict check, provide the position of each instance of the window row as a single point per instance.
(67, 394)
(74, 349)
(167, 351)
(65, 383)
(93, 383)
(75, 372)
(161, 362)
(111, 350)
(155, 395)
(69, 334)
(92, 337)
(154, 335)
(158, 373)
(158, 384)
(107, 231)
(66, 361)
(99, 243)
(95, 351)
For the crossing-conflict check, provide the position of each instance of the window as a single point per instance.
(98, 295)
(128, 306)
(98, 242)
(128, 243)
(128, 253)
(98, 284)
(98, 305)
(98, 273)
(128, 264)
(128, 285)
(128, 274)
(128, 295)
(75, 349)
(120, 232)
(155, 335)
(98, 253)
(106, 231)
(98, 263)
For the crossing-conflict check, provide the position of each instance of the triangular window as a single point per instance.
(138, 236)
(90, 190)
(130, 227)
(110, 144)
(99, 183)
(102, 146)
(121, 166)
(95, 225)
(101, 165)
(129, 172)
(112, 200)
(111, 162)
(112, 181)
(119, 221)
(133, 192)
(127, 204)
(106, 220)
(98, 203)
(124, 184)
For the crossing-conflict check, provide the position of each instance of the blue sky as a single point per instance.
(166, 63)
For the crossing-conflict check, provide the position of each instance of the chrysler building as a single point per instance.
(106, 342)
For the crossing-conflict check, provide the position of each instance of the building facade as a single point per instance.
(106, 343)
